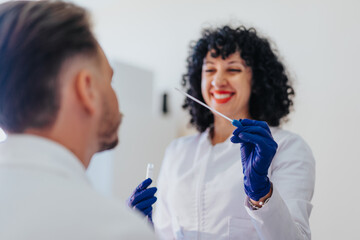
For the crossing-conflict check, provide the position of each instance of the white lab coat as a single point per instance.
(201, 193)
(45, 194)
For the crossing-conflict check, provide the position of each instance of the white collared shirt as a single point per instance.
(201, 194)
(45, 194)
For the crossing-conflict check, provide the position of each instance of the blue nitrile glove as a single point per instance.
(257, 151)
(143, 198)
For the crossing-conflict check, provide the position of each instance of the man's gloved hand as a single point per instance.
(143, 198)
(257, 151)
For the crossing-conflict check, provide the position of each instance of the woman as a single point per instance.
(208, 189)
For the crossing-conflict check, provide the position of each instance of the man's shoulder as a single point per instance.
(111, 219)
(55, 205)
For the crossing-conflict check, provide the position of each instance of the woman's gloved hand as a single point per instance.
(143, 198)
(257, 151)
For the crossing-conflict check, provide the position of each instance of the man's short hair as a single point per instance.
(36, 37)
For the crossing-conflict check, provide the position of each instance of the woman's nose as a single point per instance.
(219, 79)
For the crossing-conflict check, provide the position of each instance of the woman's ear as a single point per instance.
(86, 91)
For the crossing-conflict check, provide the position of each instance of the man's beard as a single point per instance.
(109, 126)
(108, 145)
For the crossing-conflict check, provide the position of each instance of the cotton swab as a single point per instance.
(203, 104)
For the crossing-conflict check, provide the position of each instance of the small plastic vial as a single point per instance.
(150, 171)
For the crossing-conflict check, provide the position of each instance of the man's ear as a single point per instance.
(86, 91)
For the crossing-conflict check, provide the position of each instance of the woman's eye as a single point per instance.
(234, 70)
(209, 70)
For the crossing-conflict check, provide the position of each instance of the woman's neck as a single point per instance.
(222, 129)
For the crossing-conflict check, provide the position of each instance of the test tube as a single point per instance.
(150, 171)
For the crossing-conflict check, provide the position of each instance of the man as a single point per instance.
(58, 109)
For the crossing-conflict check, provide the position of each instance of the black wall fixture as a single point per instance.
(165, 109)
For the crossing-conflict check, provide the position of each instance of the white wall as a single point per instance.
(318, 40)
(2, 135)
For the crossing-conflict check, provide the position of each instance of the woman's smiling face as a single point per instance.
(226, 84)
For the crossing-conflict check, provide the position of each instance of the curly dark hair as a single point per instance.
(271, 92)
